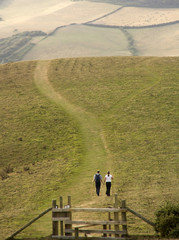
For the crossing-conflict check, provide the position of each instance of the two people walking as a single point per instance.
(98, 180)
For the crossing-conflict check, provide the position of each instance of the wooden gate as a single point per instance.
(65, 227)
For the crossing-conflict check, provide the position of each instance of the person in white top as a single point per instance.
(108, 178)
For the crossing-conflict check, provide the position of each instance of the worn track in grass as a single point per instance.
(97, 153)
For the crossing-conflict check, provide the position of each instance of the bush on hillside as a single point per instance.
(26, 168)
(167, 220)
(8, 169)
(3, 174)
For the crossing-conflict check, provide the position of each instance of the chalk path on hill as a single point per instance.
(97, 153)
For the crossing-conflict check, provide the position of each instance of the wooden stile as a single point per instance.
(64, 216)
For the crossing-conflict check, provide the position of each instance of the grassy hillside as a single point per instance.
(63, 119)
(37, 139)
(135, 100)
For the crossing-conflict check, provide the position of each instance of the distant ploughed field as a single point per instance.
(139, 17)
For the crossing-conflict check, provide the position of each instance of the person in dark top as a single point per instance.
(98, 180)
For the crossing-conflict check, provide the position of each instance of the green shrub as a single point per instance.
(8, 169)
(167, 220)
(3, 174)
(26, 168)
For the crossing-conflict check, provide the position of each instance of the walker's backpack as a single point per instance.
(97, 178)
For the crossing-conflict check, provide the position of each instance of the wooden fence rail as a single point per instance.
(90, 210)
(141, 217)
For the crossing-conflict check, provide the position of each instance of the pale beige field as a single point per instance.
(18, 12)
(161, 41)
(81, 41)
(132, 16)
(48, 15)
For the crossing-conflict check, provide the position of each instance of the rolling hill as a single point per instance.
(63, 119)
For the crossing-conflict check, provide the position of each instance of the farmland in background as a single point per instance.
(153, 41)
(140, 17)
(80, 41)
(49, 15)
(52, 17)
(142, 3)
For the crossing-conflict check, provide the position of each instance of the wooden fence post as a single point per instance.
(116, 215)
(61, 202)
(68, 214)
(54, 223)
(109, 219)
(61, 215)
(124, 217)
(104, 228)
(76, 233)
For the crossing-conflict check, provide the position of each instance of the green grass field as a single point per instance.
(63, 119)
